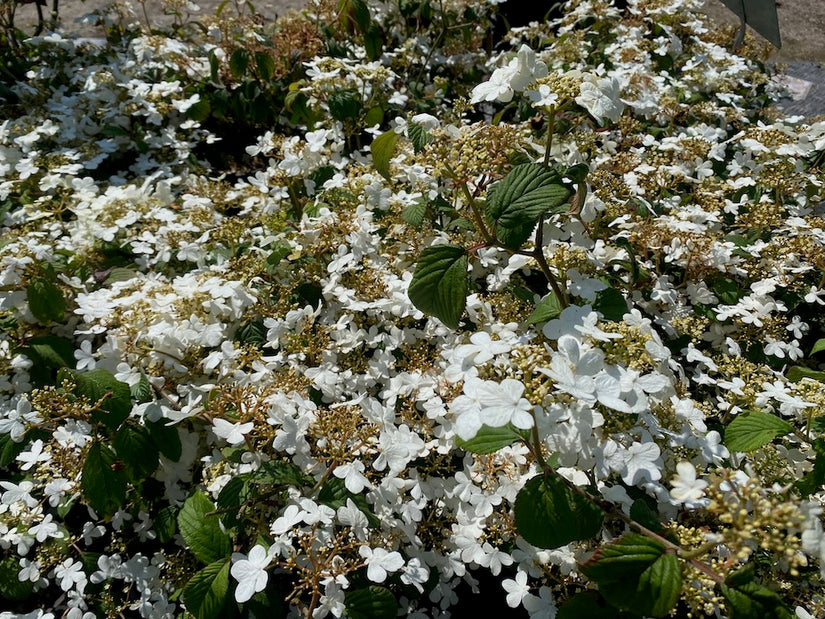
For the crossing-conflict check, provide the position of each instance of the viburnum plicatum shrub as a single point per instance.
(345, 333)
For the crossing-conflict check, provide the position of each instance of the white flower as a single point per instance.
(233, 433)
(516, 589)
(501, 403)
(542, 606)
(600, 97)
(250, 572)
(379, 562)
(686, 487)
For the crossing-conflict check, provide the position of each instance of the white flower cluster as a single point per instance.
(263, 319)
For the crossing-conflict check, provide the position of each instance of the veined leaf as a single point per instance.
(748, 600)
(202, 532)
(489, 440)
(103, 480)
(439, 284)
(372, 602)
(419, 136)
(753, 429)
(550, 515)
(516, 203)
(637, 574)
(100, 385)
(205, 593)
(45, 299)
(546, 309)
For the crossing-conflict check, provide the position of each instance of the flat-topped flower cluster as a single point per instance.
(344, 336)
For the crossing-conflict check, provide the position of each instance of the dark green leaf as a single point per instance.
(748, 600)
(549, 514)
(439, 284)
(611, 304)
(142, 390)
(51, 351)
(798, 372)
(751, 430)
(589, 605)
(373, 42)
(166, 439)
(134, 446)
(281, 473)
(726, 289)
(46, 301)
(419, 136)
(266, 65)
(645, 515)
(205, 593)
(813, 480)
(251, 332)
(546, 309)
(9, 450)
(578, 172)
(372, 602)
(165, 524)
(202, 532)
(818, 346)
(636, 573)
(382, 149)
(231, 497)
(103, 480)
(334, 494)
(414, 213)
(11, 588)
(199, 111)
(238, 62)
(518, 201)
(489, 440)
(344, 105)
(100, 385)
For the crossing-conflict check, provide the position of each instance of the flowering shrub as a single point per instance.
(340, 334)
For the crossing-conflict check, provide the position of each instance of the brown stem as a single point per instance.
(538, 254)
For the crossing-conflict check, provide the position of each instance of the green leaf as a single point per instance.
(818, 346)
(142, 390)
(357, 11)
(344, 104)
(372, 602)
(231, 497)
(334, 494)
(419, 136)
(489, 440)
(166, 439)
(636, 573)
(137, 450)
(414, 213)
(611, 304)
(120, 274)
(199, 111)
(382, 149)
(205, 593)
(281, 473)
(266, 65)
(100, 385)
(11, 588)
(49, 350)
(439, 284)
(753, 429)
(813, 480)
(589, 605)
(546, 309)
(165, 523)
(549, 514)
(798, 372)
(644, 514)
(373, 42)
(238, 63)
(749, 600)
(46, 301)
(726, 289)
(103, 480)
(9, 450)
(516, 203)
(202, 532)
(374, 116)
